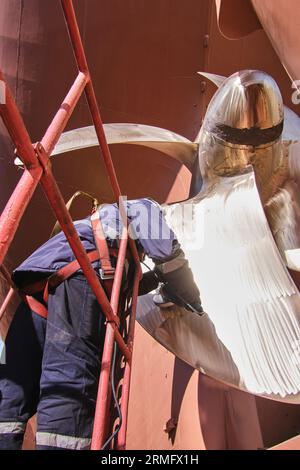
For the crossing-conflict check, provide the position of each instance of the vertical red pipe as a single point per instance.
(102, 404)
(121, 441)
(100, 420)
(115, 294)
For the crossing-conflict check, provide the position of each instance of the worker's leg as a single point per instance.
(20, 376)
(71, 366)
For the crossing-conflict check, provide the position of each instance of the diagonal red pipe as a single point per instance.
(78, 49)
(40, 169)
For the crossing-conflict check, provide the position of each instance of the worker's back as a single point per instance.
(146, 226)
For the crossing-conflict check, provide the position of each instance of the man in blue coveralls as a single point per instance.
(53, 365)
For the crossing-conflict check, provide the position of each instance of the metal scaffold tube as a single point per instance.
(76, 41)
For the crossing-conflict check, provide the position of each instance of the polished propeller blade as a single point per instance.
(163, 140)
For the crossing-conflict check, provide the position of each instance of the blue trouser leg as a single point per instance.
(20, 376)
(61, 382)
(70, 367)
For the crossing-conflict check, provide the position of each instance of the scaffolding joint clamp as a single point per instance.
(114, 321)
(42, 156)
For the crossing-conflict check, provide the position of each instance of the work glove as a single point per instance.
(168, 295)
(148, 283)
(180, 283)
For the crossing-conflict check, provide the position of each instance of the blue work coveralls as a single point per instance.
(52, 366)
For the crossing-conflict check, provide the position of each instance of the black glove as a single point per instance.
(148, 282)
(195, 307)
(180, 283)
(169, 293)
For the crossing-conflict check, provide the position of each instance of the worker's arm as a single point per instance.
(171, 266)
(178, 278)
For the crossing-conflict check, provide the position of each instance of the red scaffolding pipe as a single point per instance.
(15, 208)
(89, 91)
(121, 439)
(63, 114)
(78, 49)
(102, 404)
(6, 302)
